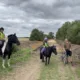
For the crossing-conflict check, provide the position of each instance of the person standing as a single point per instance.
(67, 47)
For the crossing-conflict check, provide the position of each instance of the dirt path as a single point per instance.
(35, 70)
(29, 71)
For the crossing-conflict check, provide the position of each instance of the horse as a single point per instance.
(12, 39)
(47, 53)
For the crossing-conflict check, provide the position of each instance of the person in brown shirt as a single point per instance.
(67, 46)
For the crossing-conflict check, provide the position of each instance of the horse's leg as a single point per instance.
(46, 61)
(9, 60)
(8, 63)
(0, 52)
(3, 62)
(42, 58)
(41, 55)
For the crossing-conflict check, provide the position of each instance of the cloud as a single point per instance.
(21, 16)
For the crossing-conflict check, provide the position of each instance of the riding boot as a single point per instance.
(40, 56)
(0, 52)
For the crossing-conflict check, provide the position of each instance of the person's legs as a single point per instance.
(43, 49)
(70, 56)
(70, 59)
(67, 56)
(1, 45)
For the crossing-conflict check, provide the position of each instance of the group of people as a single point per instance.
(67, 44)
(67, 48)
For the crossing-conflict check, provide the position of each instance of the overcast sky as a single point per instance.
(21, 16)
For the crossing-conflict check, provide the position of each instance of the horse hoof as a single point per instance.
(8, 65)
(45, 63)
(3, 67)
(42, 60)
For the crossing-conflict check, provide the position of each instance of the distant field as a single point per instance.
(25, 43)
(23, 39)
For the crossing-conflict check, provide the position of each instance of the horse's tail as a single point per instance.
(41, 52)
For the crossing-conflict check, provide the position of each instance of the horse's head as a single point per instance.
(54, 50)
(13, 39)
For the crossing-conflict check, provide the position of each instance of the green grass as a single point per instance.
(20, 56)
(78, 71)
(56, 70)
(50, 72)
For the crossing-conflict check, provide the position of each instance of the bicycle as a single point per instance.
(64, 58)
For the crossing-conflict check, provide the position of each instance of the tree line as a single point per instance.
(39, 35)
(71, 31)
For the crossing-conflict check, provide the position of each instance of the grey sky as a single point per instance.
(21, 16)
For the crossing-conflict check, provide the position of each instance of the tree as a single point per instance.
(36, 35)
(62, 32)
(74, 34)
(70, 30)
(51, 35)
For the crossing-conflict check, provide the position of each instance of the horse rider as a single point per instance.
(2, 38)
(67, 47)
(45, 44)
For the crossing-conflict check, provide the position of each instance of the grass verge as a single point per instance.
(56, 70)
(50, 72)
(78, 71)
(20, 56)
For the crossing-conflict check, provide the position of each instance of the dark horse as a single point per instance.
(47, 53)
(12, 39)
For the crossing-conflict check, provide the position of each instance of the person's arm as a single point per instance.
(0, 35)
(64, 45)
(48, 44)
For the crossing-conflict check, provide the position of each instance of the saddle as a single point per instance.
(44, 49)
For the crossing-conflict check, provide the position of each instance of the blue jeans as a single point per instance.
(43, 49)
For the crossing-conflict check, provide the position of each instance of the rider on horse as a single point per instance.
(45, 44)
(2, 35)
(2, 38)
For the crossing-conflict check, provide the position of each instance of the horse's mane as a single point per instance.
(11, 35)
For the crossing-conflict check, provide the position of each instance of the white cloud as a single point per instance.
(48, 2)
(21, 16)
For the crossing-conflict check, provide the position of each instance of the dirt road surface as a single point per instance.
(31, 70)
